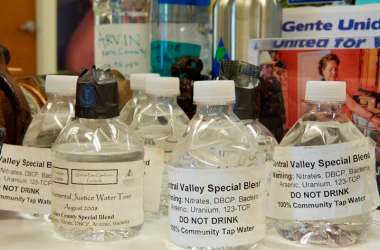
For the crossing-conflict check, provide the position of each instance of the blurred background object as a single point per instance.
(15, 113)
(180, 28)
(32, 88)
(122, 35)
(75, 32)
(246, 78)
(125, 92)
(188, 69)
(236, 22)
(18, 34)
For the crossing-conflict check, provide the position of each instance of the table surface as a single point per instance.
(22, 234)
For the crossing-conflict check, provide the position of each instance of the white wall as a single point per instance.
(46, 18)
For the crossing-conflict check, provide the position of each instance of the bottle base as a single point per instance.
(242, 247)
(44, 217)
(162, 211)
(99, 234)
(152, 216)
(341, 233)
(7, 214)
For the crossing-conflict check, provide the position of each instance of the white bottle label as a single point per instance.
(323, 182)
(25, 179)
(123, 47)
(97, 195)
(154, 168)
(216, 207)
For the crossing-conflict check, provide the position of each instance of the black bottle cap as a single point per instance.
(97, 95)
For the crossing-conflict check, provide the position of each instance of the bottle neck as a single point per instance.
(96, 121)
(327, 107)
(325, 112)
(138, 93)
(55, 97)
(213, 110)
(163, 99)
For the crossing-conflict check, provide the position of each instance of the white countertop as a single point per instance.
(21, 234)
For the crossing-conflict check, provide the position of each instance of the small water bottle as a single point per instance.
(139, 98)
(55, 114)
(180, 28)
(97, 190)
(160, 124)
(323, 186)
(216, 177)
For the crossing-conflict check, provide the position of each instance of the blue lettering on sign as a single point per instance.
(377, 42)
(340, 42)
(349, 24)
(288, 26)
(300, 43)
(318, 25)
(353, 24)
(348, 42)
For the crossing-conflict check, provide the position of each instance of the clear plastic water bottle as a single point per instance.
(160, 124)
(246, 78)
(264, 138)
(180, 28)
(236, 22)
(56, 113)
(247, 105)
(323, 182)
(139, 98)
(267, 143)
(97, 193)
(216, 178)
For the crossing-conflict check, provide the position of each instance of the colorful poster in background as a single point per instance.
(344, 40)
(354, 42)
(331, 21)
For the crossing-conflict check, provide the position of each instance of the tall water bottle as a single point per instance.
(122, 35)
(247, 103)
(161, 124)
(180, 28)
(236, 22)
